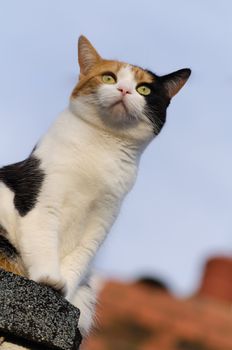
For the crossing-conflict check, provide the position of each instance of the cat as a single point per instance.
(58, 205)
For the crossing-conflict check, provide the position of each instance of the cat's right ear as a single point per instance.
(87, 55)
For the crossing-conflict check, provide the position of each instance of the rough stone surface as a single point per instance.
(35, 313)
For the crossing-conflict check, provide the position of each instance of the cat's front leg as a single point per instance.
(75, 265)
(84, 299)
(39, 247)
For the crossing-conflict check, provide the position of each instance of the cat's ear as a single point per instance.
(87, 55)
(173, 82)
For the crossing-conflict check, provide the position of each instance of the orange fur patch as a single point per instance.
(141, 76)
(14, 266)
(88, 83)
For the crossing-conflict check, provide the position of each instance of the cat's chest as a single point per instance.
(94, 188)
(101, 175)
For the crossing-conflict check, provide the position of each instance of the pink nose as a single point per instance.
(124, 90)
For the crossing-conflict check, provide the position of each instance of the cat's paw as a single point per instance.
(1, 340)
(57, 284)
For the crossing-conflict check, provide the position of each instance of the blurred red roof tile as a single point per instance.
(139, 317)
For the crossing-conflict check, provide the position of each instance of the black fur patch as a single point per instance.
(7, 249)
(25, 180)
(162, 90)
(3, 231)
(157, 103)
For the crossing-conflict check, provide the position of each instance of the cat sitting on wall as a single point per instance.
(58, 205)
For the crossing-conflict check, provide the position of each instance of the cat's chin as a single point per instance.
(118, 114)
(119, 109)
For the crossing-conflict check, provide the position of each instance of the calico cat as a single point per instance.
(58, 205)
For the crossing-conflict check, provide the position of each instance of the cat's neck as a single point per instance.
(101, 137)
(72, 135)
(135, 139)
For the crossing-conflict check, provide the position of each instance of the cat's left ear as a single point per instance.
(88, 57)
(175, 81)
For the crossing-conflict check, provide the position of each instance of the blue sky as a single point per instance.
(179, 211)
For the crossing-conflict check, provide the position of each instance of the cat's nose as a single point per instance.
(124, 90)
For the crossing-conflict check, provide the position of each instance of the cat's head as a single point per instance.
(122, 96)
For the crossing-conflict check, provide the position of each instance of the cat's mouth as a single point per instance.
(119, 102)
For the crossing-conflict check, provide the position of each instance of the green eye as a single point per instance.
(144, 90)
(108, 79)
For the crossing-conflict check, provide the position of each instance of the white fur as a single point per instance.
(90, 164)
(133, 101)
